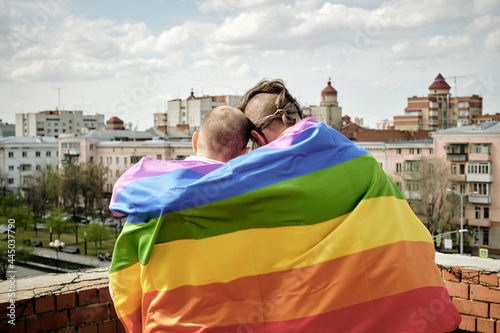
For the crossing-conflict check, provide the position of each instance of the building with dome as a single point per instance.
(439, 109)
(329, 110)
(115, 124)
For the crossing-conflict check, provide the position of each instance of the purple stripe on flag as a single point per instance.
(149, 167)
(294, 132)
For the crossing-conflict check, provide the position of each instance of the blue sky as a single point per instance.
(128, 58)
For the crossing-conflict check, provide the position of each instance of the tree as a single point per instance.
(93, 186)
(96, 232)
(71, 186)
(433, 208)
(57, 222)
(22, 215)
(23, 252)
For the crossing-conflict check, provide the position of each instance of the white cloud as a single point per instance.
(485, 6)
(492, 41)
(482, 23)
(384, 85)
(245, 70)
(430, 48)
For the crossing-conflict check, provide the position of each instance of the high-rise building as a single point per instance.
(54, 123)
(188, 114)
(439, 109)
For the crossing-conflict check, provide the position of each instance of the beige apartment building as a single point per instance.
(470, 153)
(57, 122)
(439, 109)
(188, 114)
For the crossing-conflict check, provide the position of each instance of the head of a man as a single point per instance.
(223, 135)
(271, 108)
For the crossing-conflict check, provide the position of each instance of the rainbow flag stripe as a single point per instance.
(306, 234)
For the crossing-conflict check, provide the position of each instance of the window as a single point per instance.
(135, 159)
(91, 160)
(411, 167)
(480, 188)
(462, 188)
(91, 147)
(158, 156)
(480, 148)
(457, 148)
(476, 236)
(431, 151)
(398, 167)
(100, 159)
(486, 212)
(10, 181)
(478, 212)
(47, 153)
(462, 169)
(486, 237)
(418, 151)
(11, 154)
(479, 168)
(49, 167)
(125, 160)
(398, 151)
(412, 151)
(117, 174)
(117, 160)
(412, 186)
(38, 167)
(463, 104)
(431, 168)
(25, 154)
(25, 167)
(37, 154)
(398, 185)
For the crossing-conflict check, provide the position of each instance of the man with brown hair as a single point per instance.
(271, 108)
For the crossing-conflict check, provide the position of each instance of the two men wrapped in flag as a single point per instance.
(304, 234)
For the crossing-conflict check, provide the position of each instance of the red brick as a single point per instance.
(88, 314)
(478, 309)
(481, 293)
(112, 312)
(17, 328)
(470, 276)
(66, 301)
(106, 326)
(456, 289)
(87, 296)
(121, 329)
(24, 308)
(45, 304)
(47, 322)
(495, 311)
(104, 295)
(87, 329)
(468, 324)
(485, 325)
(451, 276)
(489, 279)
(67, 330)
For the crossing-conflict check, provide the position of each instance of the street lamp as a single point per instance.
(57, 245)
(462, 195)
(85, 235)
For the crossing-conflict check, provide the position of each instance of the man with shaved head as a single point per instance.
(223, 135)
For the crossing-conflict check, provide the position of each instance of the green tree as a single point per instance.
(57, 222)
(96, 232)
(22, 215)
(71, 184)
(92, 186)
(11, 252)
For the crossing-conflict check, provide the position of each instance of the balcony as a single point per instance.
(71, 152)
(412, 195)
(411, 176)
(482, 223)
(456, 157)
(479, 177)
(480, 199)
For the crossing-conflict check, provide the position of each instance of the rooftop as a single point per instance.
(439, 83)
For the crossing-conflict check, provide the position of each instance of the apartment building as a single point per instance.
(120, 149)
(473, 154)
(21, 158)
(439, 109)
(55, 123)
(189, 113)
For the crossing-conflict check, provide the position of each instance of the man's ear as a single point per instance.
(261, 140)
(195, 142)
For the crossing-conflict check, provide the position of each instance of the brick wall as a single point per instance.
(81, 302)
(85, 310)
(476, 295)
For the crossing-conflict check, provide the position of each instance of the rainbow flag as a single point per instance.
(305, 234)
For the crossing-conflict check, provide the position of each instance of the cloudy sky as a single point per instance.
(128, 58)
